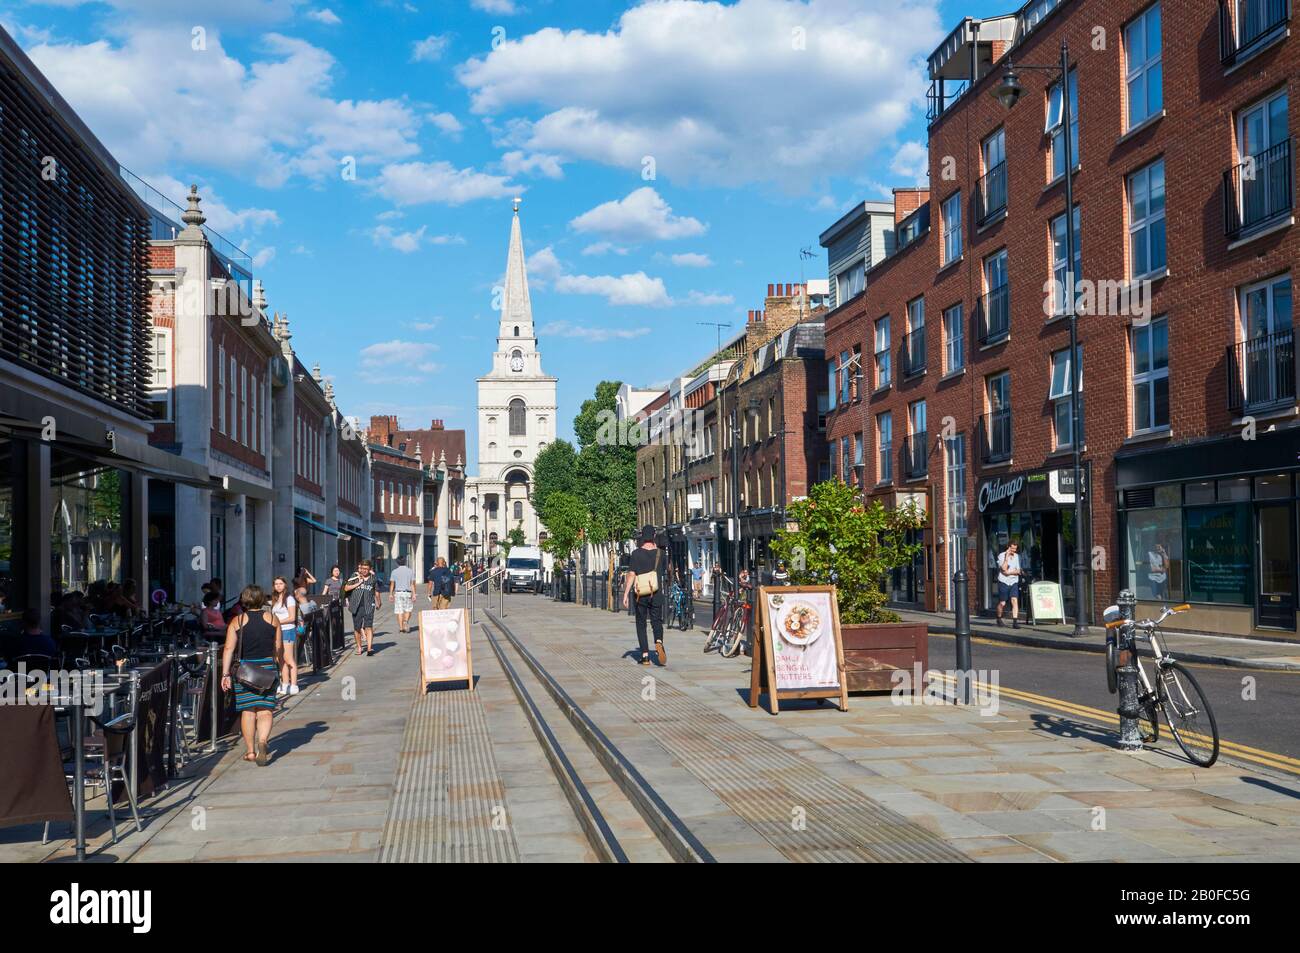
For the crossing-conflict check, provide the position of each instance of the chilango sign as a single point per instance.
(1035, 490)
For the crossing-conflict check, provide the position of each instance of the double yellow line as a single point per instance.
(1270, 759)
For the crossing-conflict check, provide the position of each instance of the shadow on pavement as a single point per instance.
(296, 737)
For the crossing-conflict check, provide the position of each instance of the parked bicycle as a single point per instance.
(1174, 691)
(681, 609)
(730, 626)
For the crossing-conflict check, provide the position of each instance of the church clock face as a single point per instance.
(517, 363)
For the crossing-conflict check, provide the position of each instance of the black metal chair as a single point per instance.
(107, 753)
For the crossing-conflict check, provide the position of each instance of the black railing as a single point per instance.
(1258, 190)
(913, 355)
(915, 455)
(941, 95)
(1261, 371)
(1260, 22)
(995, 316)
(995, 436)
(991, 194)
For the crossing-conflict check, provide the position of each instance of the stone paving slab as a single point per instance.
(1018, 784)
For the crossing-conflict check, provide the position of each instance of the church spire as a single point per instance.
(516, 308)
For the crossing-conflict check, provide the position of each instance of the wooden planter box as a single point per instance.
(872, 653)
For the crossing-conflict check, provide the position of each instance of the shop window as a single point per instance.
(1275, 487)
(1237, 488)
(1217, 541)
(1199, 492)
(1155, 554)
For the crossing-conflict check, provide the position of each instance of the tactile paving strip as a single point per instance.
(800, 810)
(447, 792)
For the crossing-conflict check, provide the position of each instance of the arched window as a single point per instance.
(517, 413)
(519, 510)
(516, 330)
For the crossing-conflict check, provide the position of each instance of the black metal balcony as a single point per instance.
(1259, 190)
(915, 459)
(1260, 22)
(995, 316)
(991, 194)
(941, 95)
(995, 436)
(1261, 372)
(913, 354)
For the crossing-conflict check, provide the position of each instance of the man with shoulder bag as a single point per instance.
(642, 575)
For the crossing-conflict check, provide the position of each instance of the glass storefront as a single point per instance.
(10, 595)
(1229, 541)
(86, 523)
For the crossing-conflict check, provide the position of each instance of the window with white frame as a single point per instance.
(846, 377)
(954, 339)
(1055, 125)
(951, 227)
(884, 366)
(1150, 346)
(1146, 220)
(1059, 265)
(846, 462)
(850, 282)
(1143, 69)
(243, 406)
(232, 393)
(1059, 393)
(160, 393)
(221, 389)
(885, 431)
(915, 344)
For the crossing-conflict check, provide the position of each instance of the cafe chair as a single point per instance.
(35, 663)
(106, 763)
(193, 677)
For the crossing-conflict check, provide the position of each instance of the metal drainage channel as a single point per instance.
(671, 831)
(593, 822)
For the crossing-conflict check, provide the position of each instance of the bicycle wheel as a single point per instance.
(688, 617)
(735, 635)
(1189, 716)
(1112, 666)
(717, 630)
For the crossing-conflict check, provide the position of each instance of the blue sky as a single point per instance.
(765, 120)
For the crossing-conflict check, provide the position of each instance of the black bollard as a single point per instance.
(961, 609)
(1130, 734)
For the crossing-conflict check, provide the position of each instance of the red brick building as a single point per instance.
(442, 454)
(956, 358)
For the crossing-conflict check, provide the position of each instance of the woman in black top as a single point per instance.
(255, 633)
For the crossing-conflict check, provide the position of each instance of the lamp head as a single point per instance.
(1008, 90)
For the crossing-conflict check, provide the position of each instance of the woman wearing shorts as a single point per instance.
(255, 634)
(363, 600)
(285, 609)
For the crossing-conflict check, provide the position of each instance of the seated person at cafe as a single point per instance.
(214, 623)
(31, 640)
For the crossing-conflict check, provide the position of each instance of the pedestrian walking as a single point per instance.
(1009, 582)
(363, 600)
(442, 585)
(642, 576)
(285, 609)
(401, 586)
(253, 637)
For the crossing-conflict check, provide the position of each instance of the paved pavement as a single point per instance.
(1016, 783)
(366, 768)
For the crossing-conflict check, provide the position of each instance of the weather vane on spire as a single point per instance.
(517, 201)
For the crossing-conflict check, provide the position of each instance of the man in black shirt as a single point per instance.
(642, 575)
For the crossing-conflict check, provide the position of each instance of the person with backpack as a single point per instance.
(442, 584)
(642, 575)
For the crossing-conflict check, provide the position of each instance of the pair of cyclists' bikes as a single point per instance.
(1170, 689)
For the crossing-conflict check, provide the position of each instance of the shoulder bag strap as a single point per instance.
(239, 634)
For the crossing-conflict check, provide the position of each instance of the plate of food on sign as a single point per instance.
(800, 623)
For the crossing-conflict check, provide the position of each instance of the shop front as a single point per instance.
(1215, 524)
(701, 554)
(1036, 510)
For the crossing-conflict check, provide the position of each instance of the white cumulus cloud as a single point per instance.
(417, 183)
(564, 329)
(640, 216)
(731, 94)
(430, 49)
(637, 288)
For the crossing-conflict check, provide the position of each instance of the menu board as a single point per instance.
(1045, 601)
(444, 647)
(799, 652)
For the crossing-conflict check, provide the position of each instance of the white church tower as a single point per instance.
(516, 416)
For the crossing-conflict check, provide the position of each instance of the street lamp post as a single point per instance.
(1008, 93)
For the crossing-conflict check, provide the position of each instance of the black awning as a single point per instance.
(1227, 456)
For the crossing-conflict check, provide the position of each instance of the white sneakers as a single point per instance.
(280, 690)
(293, 689)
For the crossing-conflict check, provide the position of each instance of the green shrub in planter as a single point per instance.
(843, 541)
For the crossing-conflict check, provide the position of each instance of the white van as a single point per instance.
(524, 569)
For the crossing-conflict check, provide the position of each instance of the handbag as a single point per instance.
(253, 677)
(647, 583)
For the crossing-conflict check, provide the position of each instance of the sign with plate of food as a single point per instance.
(798, 649)
(444, 647)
